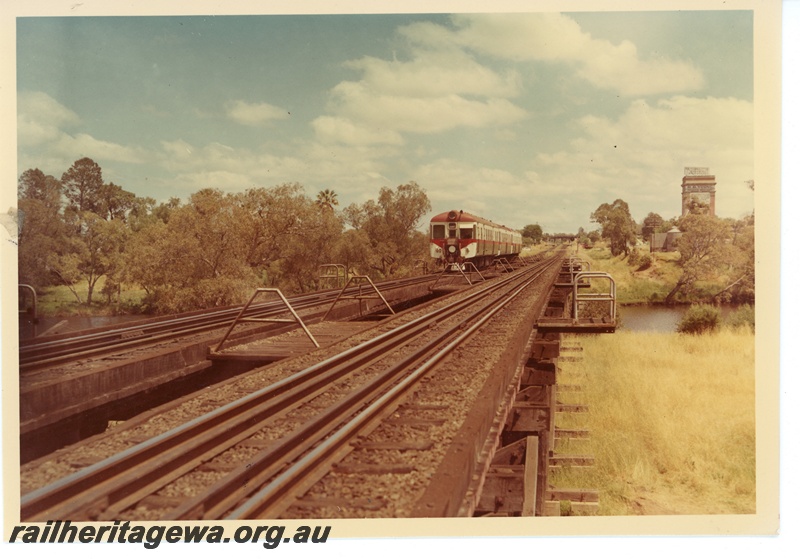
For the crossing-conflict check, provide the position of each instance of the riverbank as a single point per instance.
(672, 421)
(645, 278)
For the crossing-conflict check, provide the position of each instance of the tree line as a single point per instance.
(211, 250)
(710, 248)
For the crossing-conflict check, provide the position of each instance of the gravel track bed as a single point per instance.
(455, 391)
(454, 386)
(282, 425)
(126, 434)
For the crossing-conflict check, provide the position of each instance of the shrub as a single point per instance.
(645, 261)
(699, 319)
(640, 260)
(745, 315)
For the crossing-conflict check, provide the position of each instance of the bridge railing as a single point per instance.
(241, 318)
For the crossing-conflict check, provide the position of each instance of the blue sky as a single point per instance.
(521, 118)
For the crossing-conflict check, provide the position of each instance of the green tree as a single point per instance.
(82, 183)
(42, 230)
(195, 260)
(313, 244)
(113, 202)
(533, 232)
(617, 226)
(740, 287)
(35, 185)
(704, 250)
(390, 224)
(267, 218)
(650, 225)
(99, 249)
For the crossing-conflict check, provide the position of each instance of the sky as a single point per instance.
(517, 117)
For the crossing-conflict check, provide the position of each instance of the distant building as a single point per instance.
(665, 242)
(698, 189)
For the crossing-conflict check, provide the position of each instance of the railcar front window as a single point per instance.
(438, 232)
(466, 233)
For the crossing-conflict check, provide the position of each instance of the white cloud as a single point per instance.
(84, 145)
(552, 37)
(254, 114)
(43, 123)
(338, 129)
(440, 87)
(436, 73)
(484, 191)
(40, 118)
(523, 37)
(423, 115)
(346, 169)
(640, 155)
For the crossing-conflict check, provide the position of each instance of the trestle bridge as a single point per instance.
(432, 396)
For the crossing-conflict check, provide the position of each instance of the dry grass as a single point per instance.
(60, 301)
(672, 420)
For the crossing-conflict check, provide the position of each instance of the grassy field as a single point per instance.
(60, 301)
(672, 421)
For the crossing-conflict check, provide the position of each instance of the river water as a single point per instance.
(641, 318)
(656, 318)
(61, 325)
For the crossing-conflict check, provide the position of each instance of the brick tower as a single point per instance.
(698, 187)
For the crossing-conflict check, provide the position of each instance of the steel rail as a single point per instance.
(330, 433)
(178, 449)
(36, 356)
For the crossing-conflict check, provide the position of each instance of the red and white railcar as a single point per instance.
(457, 237)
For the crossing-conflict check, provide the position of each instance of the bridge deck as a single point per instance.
(550, 324)
(268, 350)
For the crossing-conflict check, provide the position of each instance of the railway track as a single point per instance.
(39, 354)
(372, 379)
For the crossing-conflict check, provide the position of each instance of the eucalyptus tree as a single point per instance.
(617, 226)
(704, 250)
(42, 230)
(533, 232)
(390, 223)
(194, 260)
(651, 224)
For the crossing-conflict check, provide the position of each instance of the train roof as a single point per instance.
(458, 216)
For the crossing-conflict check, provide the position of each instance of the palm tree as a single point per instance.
(327, 199)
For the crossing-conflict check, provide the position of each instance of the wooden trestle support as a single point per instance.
(517, 482)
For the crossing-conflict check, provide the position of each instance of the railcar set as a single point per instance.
(457, 237)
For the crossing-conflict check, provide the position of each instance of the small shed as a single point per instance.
(665, 242)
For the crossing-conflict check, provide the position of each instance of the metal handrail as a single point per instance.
(504, 262)
(32, 310)
(341, 295)
(610, 296)
(333, 271)
(460, 271)
(239, 318)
